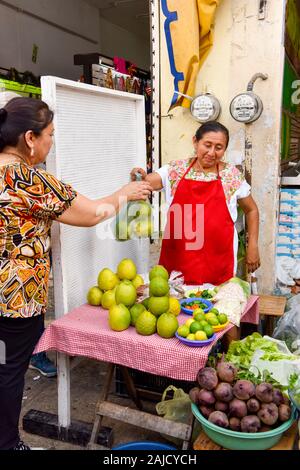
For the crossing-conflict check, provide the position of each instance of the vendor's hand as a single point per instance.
(137, 170)
(136, 190)
(252, 258)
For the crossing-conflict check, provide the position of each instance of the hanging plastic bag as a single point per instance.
(135, 220)
(177, 408)
(288, 327)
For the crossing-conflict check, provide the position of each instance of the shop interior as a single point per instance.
(101, 42)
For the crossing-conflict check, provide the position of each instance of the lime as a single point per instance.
(200, 336)
(191, 337)
(199, 317)
(198, 311)
(203, 323)
(175, 306)
(159, 271)
(119, 318)
(167, 325)
(223, 318)
(213, 321)
(126, 269)
(189, 322)
(94, 296)
(135, 311)
(146, 324)
(159, 287)
(208, 329)
(183, 331)
(195, 326)
(214, 310)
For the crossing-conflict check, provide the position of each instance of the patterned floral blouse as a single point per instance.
(233, 181)
(30, 199)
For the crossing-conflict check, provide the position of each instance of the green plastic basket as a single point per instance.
(242, 441)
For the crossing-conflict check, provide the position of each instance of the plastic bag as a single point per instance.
(177, 408)
(281, 369)
(288, 327)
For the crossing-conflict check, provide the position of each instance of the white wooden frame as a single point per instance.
(50, 86)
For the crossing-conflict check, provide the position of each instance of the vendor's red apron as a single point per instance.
(214, 261)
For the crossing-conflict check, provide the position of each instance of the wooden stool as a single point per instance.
(138, 418)
(203, 442)
(271, 306)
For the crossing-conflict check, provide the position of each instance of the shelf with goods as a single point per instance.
(24, 84)
(121, 75)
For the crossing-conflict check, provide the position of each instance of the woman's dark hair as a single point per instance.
(212, 126)
(21, 115)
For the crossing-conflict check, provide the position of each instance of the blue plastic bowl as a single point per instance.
(144, 445)
(191, 300)
(196, 344)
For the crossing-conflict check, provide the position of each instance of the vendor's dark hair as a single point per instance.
(21, 115)
(212, 126)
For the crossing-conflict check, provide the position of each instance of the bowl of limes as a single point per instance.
(202, 326)
(196, 343)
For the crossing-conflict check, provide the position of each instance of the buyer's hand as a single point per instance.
(136, 190)
(252, 258)
(141, 171)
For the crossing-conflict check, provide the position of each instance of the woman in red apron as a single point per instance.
(200, 238)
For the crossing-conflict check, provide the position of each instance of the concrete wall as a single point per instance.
(18, 33)
(118, 42)
(243, 46)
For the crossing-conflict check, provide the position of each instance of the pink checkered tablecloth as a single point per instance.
(85, 332)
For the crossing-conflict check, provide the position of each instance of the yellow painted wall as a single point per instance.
(243, 46)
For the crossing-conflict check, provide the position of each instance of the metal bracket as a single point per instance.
(165, 116)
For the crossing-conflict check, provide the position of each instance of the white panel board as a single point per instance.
(99, 138)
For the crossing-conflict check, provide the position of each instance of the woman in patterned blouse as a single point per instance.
(30, 200)
(203, 193)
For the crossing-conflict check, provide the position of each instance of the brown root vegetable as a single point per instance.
(268, 414)
(205, 397)
(193, 394)
(243, 389)
(206, 411)
(207, 378)
(237, 408)
(253, 405)
(284, 413)
(221, 406)
(264, 392)
(250, 423)
(219, 419)
(278, 397)
(226, 371)
(286, 400)
(235, 424)
(223, 392)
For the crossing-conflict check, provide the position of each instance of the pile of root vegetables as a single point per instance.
(239, 405)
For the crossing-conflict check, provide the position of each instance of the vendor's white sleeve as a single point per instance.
(164, 174)
(243, 191)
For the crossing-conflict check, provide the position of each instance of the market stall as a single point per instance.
(85, 332)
